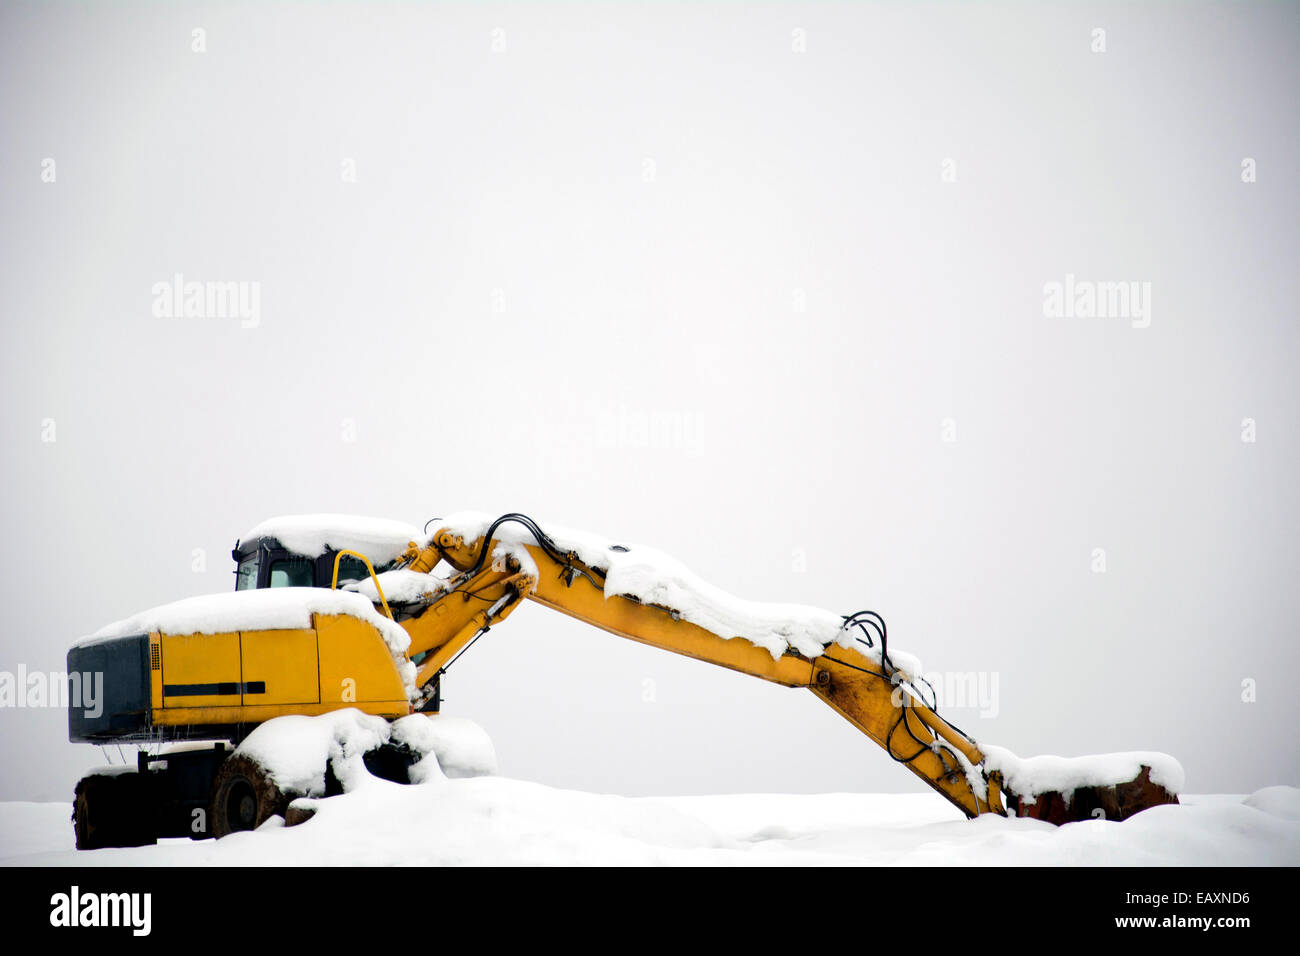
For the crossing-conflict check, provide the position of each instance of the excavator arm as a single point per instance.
(854, 675)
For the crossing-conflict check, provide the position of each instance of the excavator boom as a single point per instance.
(853, 673)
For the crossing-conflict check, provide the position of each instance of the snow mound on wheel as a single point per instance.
(458, 747)
(296, 750)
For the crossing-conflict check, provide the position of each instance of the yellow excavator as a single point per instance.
(331, 612)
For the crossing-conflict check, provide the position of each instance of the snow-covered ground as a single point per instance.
(496, 820)
(462, 813)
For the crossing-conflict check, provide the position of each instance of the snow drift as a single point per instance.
(296, 750)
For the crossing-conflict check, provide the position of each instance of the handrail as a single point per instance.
(334, 581)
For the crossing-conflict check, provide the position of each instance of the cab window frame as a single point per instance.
(306, 570)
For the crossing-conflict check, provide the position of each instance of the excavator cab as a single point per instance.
(265, 563)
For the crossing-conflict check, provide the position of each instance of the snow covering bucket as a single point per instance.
(1070, 789)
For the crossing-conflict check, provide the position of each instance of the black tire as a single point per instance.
(387, 762)
(110, 811)
(391, 762)
(244, 797)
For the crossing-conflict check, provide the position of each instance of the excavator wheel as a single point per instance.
(391, 762)
(112, 810)
(387, 762)
(244, 797)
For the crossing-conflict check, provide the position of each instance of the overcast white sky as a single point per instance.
(759, 285)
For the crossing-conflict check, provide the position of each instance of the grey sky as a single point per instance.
(771, 301)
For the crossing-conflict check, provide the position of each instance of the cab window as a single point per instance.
(352, 569)
(293, 573)
(246, 573)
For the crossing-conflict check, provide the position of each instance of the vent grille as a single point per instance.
(155, 657)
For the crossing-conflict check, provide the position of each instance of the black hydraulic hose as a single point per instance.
(862, 620)
(543, 540)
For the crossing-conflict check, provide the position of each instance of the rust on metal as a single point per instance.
(1118, 802)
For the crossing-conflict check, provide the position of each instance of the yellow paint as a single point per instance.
(201, 659)
(199, 716)
(285, 661)
(341, 661)
(354, 659)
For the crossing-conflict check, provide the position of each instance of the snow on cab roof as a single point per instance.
(379, 539)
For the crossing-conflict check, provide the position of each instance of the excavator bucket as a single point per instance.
(1115, 802)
